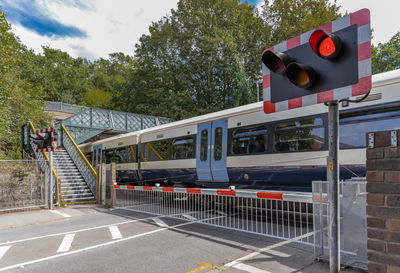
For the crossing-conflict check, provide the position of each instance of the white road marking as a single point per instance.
(160, 222)
(3, 250)
(115, 234)
(249, 268)
(265, 249)
(78, 230)
(66, 243)
(61, 213)
(97, 246)
(221, 213)
(190, 217)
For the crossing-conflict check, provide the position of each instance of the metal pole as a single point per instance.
(50, 179)
(333, 193)
(258, 89)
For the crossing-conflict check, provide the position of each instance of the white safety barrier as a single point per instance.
(284, 215)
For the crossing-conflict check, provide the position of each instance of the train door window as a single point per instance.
(299, 135)
(250, 140)
(218, 144)
(108, 156)
(183, 148)
(204, 145)
(353, 128)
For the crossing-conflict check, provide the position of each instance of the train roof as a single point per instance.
(376, 79)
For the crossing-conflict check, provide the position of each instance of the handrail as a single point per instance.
(32, 127)
(154, 151)
(79, 150)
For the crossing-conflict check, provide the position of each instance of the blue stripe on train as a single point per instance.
(262, 178)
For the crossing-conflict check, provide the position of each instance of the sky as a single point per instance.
(96, 28)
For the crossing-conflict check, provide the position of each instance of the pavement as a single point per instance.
(89, 238)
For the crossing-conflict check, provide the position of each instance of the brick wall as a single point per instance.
(383, 204)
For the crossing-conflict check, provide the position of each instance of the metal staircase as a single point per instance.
(74, 179)
(73, 186)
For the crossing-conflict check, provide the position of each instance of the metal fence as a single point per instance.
(62, 107)
(275, 214)
(22, 185)
(353, 226)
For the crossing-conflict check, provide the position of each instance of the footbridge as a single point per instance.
(74, 179)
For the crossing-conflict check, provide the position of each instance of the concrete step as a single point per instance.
(70, 170)
(75, 188)
(83, 199)
(77, 195)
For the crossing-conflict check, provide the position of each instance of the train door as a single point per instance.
(211, 151)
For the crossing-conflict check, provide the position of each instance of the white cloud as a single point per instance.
(384, 16)
(116, 26)
(111, 26)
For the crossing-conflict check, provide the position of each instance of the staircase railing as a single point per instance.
(83, 165)
(44, 163)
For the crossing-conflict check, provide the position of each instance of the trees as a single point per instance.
(386, 56)
(19, 99)
(290, 18)
(204, 56)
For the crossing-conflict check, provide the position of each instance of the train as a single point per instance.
(248, 149)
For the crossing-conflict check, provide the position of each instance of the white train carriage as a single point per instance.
(247, 148)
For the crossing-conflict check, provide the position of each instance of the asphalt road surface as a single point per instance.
(122, 240)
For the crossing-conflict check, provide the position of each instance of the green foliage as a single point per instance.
(202, 58)
(98, 98)
(19, 99)
(290, 18)
(386, 56)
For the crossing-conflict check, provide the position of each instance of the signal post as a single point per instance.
(327, 65)
(45, 140)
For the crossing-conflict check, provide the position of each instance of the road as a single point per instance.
(121, 240)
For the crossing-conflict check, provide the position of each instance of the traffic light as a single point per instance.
(42, 142)
(329, 63)
(38, 140)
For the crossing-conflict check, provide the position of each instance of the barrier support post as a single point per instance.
(103, 184)
(113, 175)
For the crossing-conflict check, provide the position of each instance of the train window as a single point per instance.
(353, 129)
(299, 135)
(204, 145)
(89, 156)
(250, 140)
(183, 148)
(108, 156)
(156, 150)
(218, 144)
(124, 155)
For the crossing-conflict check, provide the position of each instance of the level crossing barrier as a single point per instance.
(284, 215)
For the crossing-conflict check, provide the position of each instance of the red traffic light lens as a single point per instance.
(301, 75)
(275, 61)
(325, 45)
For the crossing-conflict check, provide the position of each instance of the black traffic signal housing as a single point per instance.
(326, 62)
(42, 142)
